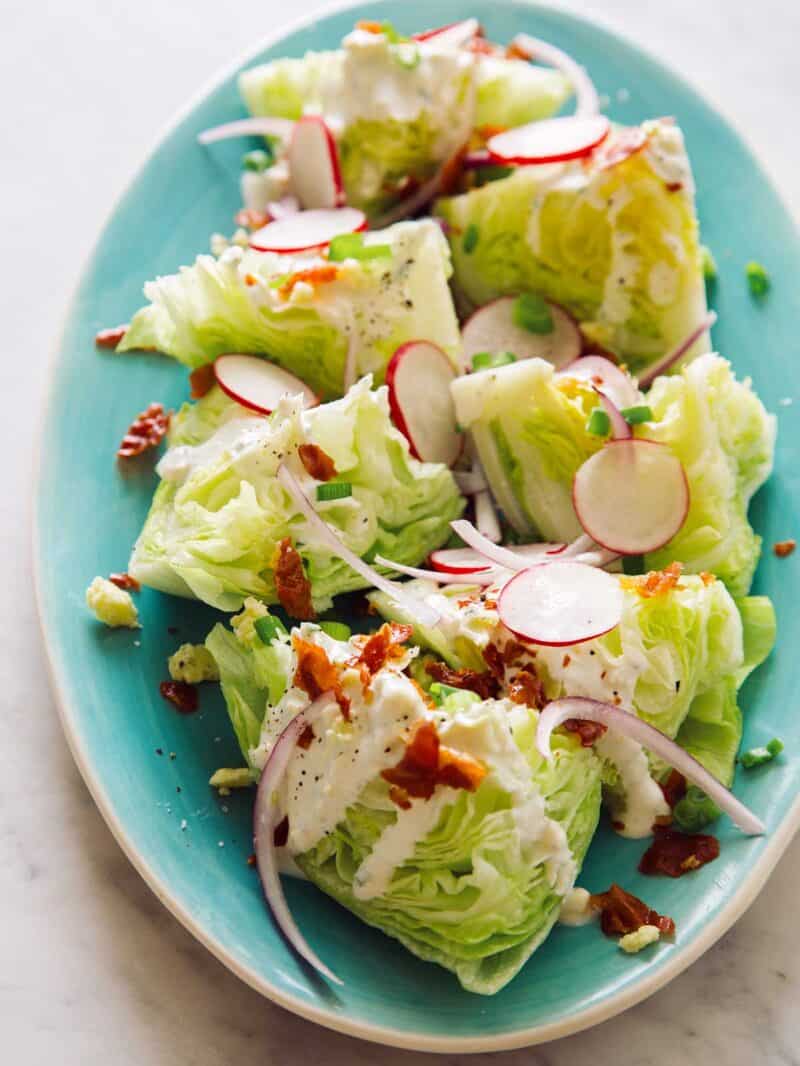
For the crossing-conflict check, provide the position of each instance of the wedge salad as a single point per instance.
(469, 487)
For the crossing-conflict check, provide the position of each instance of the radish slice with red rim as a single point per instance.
(669, 360)
(560, 603)
(248, 127)
(469, 561)
(258, 384)
(484, 577)
(453, 35)
(616, 718)
(606, 376)
(314, 164)
(307, 229)
(587, 102)
(264, 825)
(551, 140)
(492, 329)
(632, 496)
(418, 377)
(620, 430)
(418, 609)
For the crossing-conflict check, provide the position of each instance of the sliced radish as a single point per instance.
(248, 127)
(669, 360)
(453, 35)
(255, 383)
(486, 577)
(314, 164)
(587, 102)
(632, 496)
(492, 329)
(552, 140)
(468, 561)
(605, 376)
(560, 603)
(621, 145)
(418, 377)
(307, 229)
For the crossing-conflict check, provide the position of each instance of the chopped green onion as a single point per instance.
(268, 628)
(632, 565)
(708, 262)
(258, 161)
(694, 811)
(440, 692)
(758, 279)
(634, 416)
(351, 246)
(280, 280)
(599, 423)
(491, 173)
(337, 630)
(471, 238)
(490, 360)
(530, 312)
(334, 490)
(391, 34)
(759, 756)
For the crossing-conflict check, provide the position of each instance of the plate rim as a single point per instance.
(406, 1039)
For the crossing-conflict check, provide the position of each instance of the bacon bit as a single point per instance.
(706, 578)
(250, 219)
(622, 913)
(291, 583)
(318, 463)
(513, 51)
(400, 797)
(124, 581)
(490, 605)
(480, 46)
(673, 853)
(250, 279)
(566, 660)
(782, 548)
(280, 834)
(110, 338)
(467, 601)
(201, 381)
(180, 694)
(316, 674)
(427, 763)
(494, 660)
(588, 732)
(317, 275)
(306, 738)
(251, 859)
(674, 788)
(451, 172)
(618, 148)
(656, 583)
(369, 26)
(527, 688)
(484, 685)
(146, 431)
(382, 646)
(674, 186)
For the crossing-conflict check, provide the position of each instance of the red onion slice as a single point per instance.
(663, 365)
(412, 605)
(411, 204)
(485, 547)
(620, 430)
(582, 550)
(558, 711)
(248, 127)
(486, 517)
(587, 101)
(470, 481)
(264, 822)
(477, 577)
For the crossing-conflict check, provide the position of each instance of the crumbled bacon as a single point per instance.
(621, 913)
(674, 186)
(381, 647)
(782, 548)
(315, 673)
(317, 275)
(291, 583)
(146, 431)
(124, 581)
(527, 688)
(494, 660)
(514, 51)
(280, 834)
(251, 859)
(427, 763)
(706, 578)
(250, 280)
(110, 338)
(318, 463)
(674, 854)
(480, 46)
(656, 583)
(674, 788)
(484, 685)
(588, 732)
(451, 172)
(180, 694)
(251, 219)
(306, 738)
(369, 26)
(400, 798)
(201, 381)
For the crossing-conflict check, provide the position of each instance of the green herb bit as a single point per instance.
(484, 175)
(598, 423)
(694, 811)
(634, 416)
(269, 628)
(258, 161)
(759, 756)
(758, 279)
(530, 312)
(470, 240)
(391, 34)
(351, 246)
(337, 630)
(334, 490)
(491, 360)
(708, 263)
(440, 692)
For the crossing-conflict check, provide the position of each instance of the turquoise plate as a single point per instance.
(192, 847)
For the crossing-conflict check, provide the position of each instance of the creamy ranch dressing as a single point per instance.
(575, 908)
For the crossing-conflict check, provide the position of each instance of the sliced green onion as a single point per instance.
(337, 630)
(470, 239)
(268, 628)
(391, 34)
(334, 490)
(708, 263)
(598, 423)
(632, 565)
(634, 416)
(259, 160)
(694, 811)
(759, 756)
(758, 279)
(530, 312)
(484, 175)
(351, 246)
(490, 360)
(440, 692)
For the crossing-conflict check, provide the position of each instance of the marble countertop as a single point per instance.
(92, 968)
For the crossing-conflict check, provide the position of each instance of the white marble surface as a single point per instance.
(92, 969)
